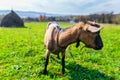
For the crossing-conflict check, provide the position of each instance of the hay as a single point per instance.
(12, 20)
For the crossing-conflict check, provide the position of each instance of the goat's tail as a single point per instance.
(48, 24)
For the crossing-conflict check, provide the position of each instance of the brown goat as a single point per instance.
(57, 39)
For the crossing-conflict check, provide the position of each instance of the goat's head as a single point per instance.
(90, 35)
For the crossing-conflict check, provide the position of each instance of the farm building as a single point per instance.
(12, 20)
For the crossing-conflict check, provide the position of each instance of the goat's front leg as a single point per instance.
(46, 62)
(63, 62)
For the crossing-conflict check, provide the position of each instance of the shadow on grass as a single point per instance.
(77, 72)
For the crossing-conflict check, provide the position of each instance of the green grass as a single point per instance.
(22, 56)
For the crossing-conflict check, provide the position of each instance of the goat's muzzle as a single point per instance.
(98, 42)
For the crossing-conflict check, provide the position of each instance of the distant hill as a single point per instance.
(32, 14)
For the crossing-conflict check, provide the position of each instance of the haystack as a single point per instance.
(1, 18)
(12, 20)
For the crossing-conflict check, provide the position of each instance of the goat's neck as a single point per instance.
(68, 36)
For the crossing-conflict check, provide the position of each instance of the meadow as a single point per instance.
(22, 56)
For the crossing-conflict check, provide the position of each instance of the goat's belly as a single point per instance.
(54, 50)
(57, 50)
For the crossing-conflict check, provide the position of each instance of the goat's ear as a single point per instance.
(93, 29)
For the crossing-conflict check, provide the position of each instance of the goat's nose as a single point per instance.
(99, 47)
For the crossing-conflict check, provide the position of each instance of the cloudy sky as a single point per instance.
(62, 6)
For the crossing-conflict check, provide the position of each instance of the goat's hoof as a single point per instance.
(45, 72)
(63, 73)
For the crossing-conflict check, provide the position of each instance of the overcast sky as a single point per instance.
(62, 6)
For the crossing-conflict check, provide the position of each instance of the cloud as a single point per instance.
(105, 6)
(15, 4)
(62, 6)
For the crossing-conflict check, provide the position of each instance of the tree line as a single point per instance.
(101, 18)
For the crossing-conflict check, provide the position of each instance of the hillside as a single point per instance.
(32, 14)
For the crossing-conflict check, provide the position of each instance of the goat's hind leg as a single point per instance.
(46, 62)
(63, 62)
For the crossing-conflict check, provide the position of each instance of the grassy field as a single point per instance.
(22, 56)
